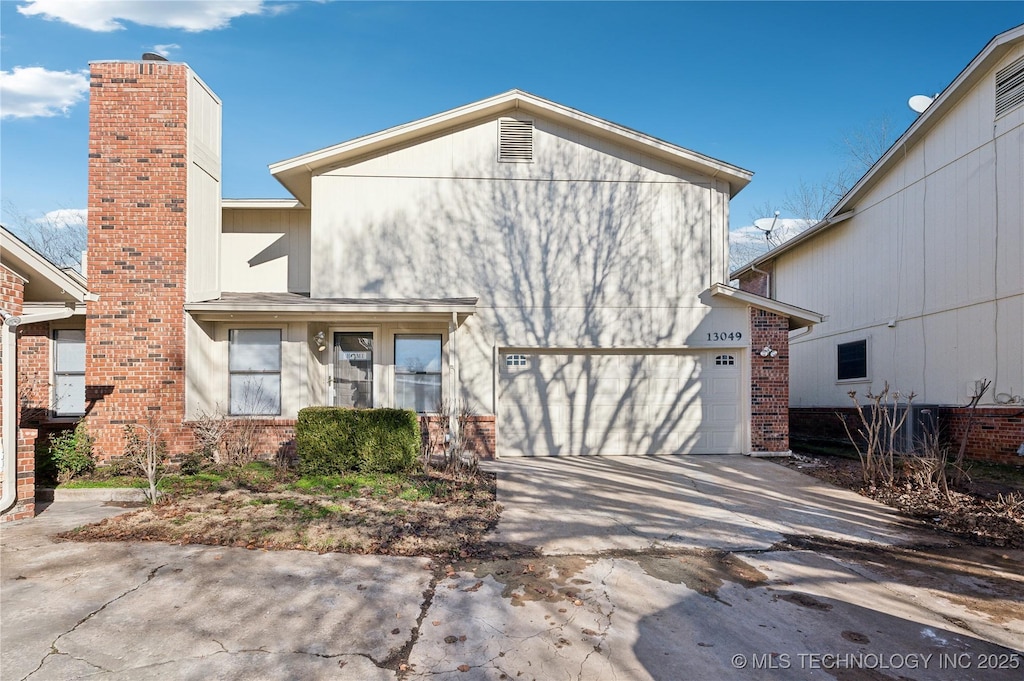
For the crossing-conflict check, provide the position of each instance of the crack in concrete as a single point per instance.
(399, 658)
(54, 650)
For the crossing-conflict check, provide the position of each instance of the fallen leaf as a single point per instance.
(475, 587)
(463, 667)
(436, 623)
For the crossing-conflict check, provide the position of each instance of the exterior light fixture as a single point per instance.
(321, 341)
(767, 351)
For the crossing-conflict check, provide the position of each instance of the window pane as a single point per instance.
(353, 369)
(255, 350)
(852, 360)
(256, 394)
(69, 394)
(417, 354)
(419, 392)
(70, 352)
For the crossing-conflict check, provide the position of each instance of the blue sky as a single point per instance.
(768, 86)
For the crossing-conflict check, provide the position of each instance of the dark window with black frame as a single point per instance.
(418, 372)
(69, 372)
(254, 366)
(852, 360)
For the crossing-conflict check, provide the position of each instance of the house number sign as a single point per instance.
(725, 336)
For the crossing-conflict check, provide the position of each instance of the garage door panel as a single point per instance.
(577, 403)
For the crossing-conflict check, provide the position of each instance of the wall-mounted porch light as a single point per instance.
(767, 351)
(321, 341)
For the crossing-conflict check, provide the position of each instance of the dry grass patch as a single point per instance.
(396, 515)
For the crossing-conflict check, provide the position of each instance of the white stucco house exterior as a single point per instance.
(920, 267)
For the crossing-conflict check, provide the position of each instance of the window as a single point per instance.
(254, 366)
(69, 372)
(852, 360)
(353, 369)
(515, 360)
(418, 372)
(725, 361)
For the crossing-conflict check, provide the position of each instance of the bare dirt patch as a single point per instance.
(989, 511)
(273, 517)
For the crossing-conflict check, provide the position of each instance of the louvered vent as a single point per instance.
(515, 140)
(1010, 87)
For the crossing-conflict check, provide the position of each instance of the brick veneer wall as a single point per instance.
(34, 373)
(996, 433)
(12, 298)
(135, 332)
(757, 282)
(769, 383)
(479, 434)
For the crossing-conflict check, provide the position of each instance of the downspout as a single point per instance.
(453, 380)
(9, 331)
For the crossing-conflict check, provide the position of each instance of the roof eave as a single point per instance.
(799, 318)
(17, 252)
(296, 173)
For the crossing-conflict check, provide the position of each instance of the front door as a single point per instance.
(353, 369)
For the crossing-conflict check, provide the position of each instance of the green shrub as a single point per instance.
(335, 441)
(195, 462)
(71, 453)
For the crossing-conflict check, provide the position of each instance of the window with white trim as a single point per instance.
(254, 367)
(69, 372)
(725, 361)
(515, 361)
(418, 372)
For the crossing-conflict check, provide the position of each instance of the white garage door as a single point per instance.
(619, 404)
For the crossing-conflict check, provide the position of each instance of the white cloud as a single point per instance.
(109, 15)
(165, 50)
(64, 217)
(33, 91)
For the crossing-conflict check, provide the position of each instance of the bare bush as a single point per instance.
(210, 429)
(880, 424)
(145, 448)
(447, 440)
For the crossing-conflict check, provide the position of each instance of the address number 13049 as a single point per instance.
(725, 336)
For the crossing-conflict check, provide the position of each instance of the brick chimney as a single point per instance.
(139, 149)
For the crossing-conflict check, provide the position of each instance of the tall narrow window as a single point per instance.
(418, 372)
(353, 369)
(254, 364)
(852, 360)
(69, 372)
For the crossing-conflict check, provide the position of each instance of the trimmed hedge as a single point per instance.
(337, 440)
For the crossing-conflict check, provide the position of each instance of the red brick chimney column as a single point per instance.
(138, 179)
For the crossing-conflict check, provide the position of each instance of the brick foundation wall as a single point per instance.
(479, 434)
(12, 298)
(996, 432)
(769, 383)
(273, 438)
(135, 332)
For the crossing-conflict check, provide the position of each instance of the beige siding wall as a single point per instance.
(938, 248)
(590, 246)
(204, 191)
(265, 250)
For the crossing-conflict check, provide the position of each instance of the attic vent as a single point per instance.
(515, 141)
(1010, 87)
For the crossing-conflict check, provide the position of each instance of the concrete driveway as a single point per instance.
(711, 567)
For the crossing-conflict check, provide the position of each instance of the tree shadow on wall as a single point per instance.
(560, 257)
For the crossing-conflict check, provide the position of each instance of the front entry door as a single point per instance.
(353, 369)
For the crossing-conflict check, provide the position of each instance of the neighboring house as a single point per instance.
(42, 363)
(920, 268)
(558, 274)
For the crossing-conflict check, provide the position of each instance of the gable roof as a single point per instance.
(296, 173)
(44, 281)
(799, 318)
(943, 104)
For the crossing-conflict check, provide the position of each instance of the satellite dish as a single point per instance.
(919, 103)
